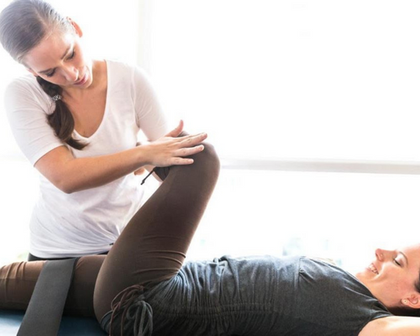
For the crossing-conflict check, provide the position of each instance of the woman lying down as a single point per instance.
(144, 287)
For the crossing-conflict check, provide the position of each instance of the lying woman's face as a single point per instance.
(392, 276)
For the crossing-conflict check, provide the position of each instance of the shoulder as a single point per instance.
(25, 91)
(117, 67)
(392, 326)
(127, 71)
(329, 294)
(328, 278)
(24, 82)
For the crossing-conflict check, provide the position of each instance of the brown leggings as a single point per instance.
(151, 248)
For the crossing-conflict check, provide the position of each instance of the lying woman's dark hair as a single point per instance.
(404, 311)
(23, 25)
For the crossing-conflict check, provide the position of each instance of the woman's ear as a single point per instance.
(77, 28)
(413, 301)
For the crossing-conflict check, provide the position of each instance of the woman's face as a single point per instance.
(59, 59)
(392, 275)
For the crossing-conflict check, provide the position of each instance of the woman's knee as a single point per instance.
(206, 163)
(208, 159)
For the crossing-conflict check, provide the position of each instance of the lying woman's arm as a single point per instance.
(392, 326)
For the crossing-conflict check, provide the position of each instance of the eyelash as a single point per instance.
(50, 74)
(69, 58)
(72, 54)
(398, 263)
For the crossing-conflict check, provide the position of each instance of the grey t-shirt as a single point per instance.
(259, 296)
(330, 301)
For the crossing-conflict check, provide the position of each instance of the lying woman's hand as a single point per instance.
(173, 149)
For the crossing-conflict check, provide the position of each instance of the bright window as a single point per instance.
(292, 79)
(312, 82)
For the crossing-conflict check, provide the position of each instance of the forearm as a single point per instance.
(72, 174)
(76, 174)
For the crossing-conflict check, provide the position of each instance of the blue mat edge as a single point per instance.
(10, 321)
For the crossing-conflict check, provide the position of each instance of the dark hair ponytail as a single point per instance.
(61, 120)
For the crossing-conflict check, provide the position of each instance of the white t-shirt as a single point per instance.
(88, 221)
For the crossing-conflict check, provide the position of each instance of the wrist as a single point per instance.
(142, 157)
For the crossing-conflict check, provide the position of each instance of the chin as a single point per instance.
(362, 274)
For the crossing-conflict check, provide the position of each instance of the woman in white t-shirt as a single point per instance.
(77, 121)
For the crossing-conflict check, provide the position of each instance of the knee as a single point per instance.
(208, 160)
(211, 155)
(208, 155)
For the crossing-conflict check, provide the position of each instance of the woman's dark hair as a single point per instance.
(23, 25)
(403, 311)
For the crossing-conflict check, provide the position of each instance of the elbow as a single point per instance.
(64, 186)
(68, 190)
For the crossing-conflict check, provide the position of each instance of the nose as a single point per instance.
(382, 255)
(70, 73)
(379, 254)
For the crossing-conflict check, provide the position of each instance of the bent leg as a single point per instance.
(153, 245)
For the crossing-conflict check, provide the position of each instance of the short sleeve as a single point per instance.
(149, 114)
(27, 108)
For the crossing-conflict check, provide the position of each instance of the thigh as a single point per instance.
(153, 245)
(80, 298)
(17, 282)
